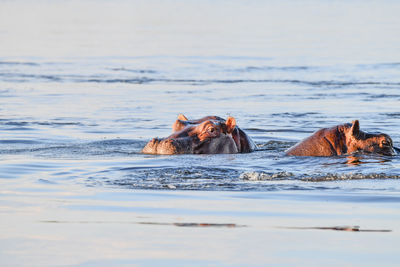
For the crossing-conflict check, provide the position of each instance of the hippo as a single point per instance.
(243, 142)
(343, 139)
(206, 137)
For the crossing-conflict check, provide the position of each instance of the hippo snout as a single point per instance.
(163, 146)
(390, 151)
(151, 146)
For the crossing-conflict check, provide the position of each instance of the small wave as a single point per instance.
(19, 141)
(23, 77)
(223, 179)
(392, 114)
(207, 179)
(274, 68)
(27, 77)
(194, 178)
(105, 148)
(117, 142)
(232, 81)
(288, 131)
(184, 174)
(294, 114)
(380, 65)
(134, 70)
(15, 123)
(375, 96)
(140, 80)
(5, 91)
(273, 145)
(18, 129)
(257, 130)
(327, 177)
(43, 123)
(348, 176)
(8, 63)
(342, 83)
(45, 181)
(263, 176)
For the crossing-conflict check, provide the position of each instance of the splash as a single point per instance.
(348, 176)
(262, 176)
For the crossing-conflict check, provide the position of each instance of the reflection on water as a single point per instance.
(353, 160)
(180, 224)
(357, 160)
(341, 228)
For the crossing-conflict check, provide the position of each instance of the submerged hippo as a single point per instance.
(206, 137)
(341, 140)
(243, 142)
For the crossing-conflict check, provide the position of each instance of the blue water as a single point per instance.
(84, 85)
(54, 115)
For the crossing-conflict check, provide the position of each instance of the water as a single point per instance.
(84, 86)
(53, 116)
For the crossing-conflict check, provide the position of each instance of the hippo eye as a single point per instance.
(211, 130)
(385, 143)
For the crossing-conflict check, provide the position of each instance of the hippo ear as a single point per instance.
(178, 124)
(230, 124)
(182, 117)
(355, 128)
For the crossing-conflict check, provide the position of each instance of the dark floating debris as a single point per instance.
(340, 228)
(228, 225)
(220, 225)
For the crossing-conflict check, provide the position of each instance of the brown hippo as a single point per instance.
(243, 142)
(341, 140)
(206, 137)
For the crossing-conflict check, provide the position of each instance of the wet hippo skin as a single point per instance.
(243, 142)
(343, 140)
(206, 137)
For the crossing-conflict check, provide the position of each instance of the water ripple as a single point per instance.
(29, 77)
(18, 63)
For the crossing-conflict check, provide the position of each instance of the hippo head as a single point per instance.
(359, 141)
(181, 122)
(207, 137)
(243, 142)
